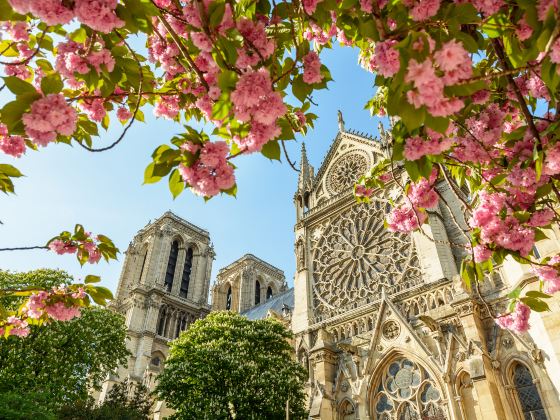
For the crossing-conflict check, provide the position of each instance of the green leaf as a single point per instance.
(300, 89)
(411, 117)
(51, 84)
(537, 294)
(10, 171)
(18, 86)
(536, 305)
(216, 13)
(176, 183)
(149, 176)
(271, 150)
(90, 278)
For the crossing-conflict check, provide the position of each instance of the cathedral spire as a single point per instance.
(305, 171)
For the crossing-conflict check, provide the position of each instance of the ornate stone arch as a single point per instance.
(346, 410)
(403, 381)
(465, 395)
(522, 384)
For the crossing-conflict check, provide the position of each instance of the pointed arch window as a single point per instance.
(527, 394)
(228, 299)
(407, 392)
(143, 265)
(186, 277)
(171, 264)
(268, 293)
(257, 293)
(161, 321)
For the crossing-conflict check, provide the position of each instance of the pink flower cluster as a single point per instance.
(312, 68)
(422, 9)
(88, 246)
(20, 327)
(211, 173)
(11, 145)
(422, 193)
(256, 102)
(310, 5)
(495, 228)
(549, 274)
(405, 219)
(432, 144)
(73, 58)
(455, 65)
(386, 58)
(55, 304)
(254, 36)
(97, 14)
(362, 191)
(48, 117)
(517, 321)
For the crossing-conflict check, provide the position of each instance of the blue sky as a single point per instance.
(103, 191)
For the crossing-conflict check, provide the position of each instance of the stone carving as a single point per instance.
(345, 172)
(300, 249)
(391, 330)
(356, 257)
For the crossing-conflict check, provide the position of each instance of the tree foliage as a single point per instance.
(125, 401)
(226, 366)
(66, 359)
(473, 90)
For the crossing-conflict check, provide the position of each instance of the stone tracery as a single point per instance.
(345, 171)
(355, 257)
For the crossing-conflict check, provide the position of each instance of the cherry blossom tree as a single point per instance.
(471, 88)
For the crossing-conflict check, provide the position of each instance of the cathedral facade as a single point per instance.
(381, 320)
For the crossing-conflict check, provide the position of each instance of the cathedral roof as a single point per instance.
(251, 257)
(275, 303)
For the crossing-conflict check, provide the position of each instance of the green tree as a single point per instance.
(226, 366)
(120, 404)
(64, 361)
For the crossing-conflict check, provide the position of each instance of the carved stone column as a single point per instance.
(323, 361)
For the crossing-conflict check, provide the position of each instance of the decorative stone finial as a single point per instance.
(340, 121)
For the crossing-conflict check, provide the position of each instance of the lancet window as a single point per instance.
(171, 264)
(257, 292)
(527, 394)
(186, 277)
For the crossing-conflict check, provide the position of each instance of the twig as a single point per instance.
(136, 107)
(28, 59)
(184, 51)
(287, 157)
(24, 248)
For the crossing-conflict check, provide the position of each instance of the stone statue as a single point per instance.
(340, 121)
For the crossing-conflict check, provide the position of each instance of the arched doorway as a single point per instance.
(404, 390)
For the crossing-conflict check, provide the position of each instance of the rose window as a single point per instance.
(406, 392)
(346, 171)
(355, 257)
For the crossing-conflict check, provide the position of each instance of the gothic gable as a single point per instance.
(350, 156)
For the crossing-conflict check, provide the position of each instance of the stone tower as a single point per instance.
(245, 283)
(382, 321)
(163, 288)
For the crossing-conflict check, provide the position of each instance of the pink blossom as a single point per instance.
(310, 5)
(422, 194)
(98, 14)
(549, 275)
(100, 58)
(487, 7)
(201, 41)
(94, 108)
(52, 12)
(416, 147)
(363, 191)
(312, 68)
(211, 173)
(555, 52)
(61, 247)
(481, 253)
(11, 145)
(123, 113)
(480, 97)
(552, 160)
(301, 117)
(424, 9)
(80, 294)
(48, 117)
(405, 219)
(523, 31)
(36, 304)
(60, 312)
(18, 30)
(386, 58)
(255, 33)
(366, 5)
(544, 7)
(167, 107)
(517, 321)
(258, 136)
(451, 55)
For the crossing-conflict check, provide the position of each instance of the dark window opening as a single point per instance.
(268, 293)
(161, 322)
(186, 277)
(228, 299)
(257, 292)
(143, 265)
(528, 394)
(171, 264)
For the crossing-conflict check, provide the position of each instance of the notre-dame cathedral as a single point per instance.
(381, 319)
